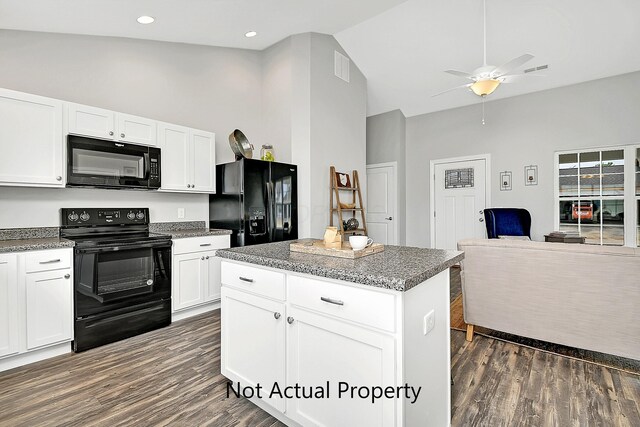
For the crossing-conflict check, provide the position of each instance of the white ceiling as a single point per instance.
(401, 46)
(404, 51)
(207, 22)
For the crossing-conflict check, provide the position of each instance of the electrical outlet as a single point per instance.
(180, 213)
(429, 321)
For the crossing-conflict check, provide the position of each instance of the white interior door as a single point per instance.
(460, 194)
(382, 193)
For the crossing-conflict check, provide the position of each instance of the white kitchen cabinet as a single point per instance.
(31, 137)
(106, 124)
(322, 349)
(196, 274)
(253, 342)
(49, 307)
(188, 159)
(36, 306)
(9, 333)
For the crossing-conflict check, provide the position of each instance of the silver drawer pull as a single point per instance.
(51, 261)
(332, 301)
(66, 276)
(276, 315)
(205, 244)
(244, 279)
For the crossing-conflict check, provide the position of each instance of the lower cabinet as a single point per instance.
(36, 306)
(9, 333)
(49, 307)
(253, 342)
(196, 271)
(322, 349)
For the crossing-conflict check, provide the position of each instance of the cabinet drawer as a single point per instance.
(368, 307)
(199, 244)
(47, 260)
(256, 280)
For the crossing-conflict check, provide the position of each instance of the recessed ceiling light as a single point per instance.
(251, 34)
(145, 19)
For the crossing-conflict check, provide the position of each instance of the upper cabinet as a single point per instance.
(188, 159)
(31, 140)
(106, 124)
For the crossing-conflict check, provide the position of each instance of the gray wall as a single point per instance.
(214, 89)
(386, 136)
(520, 131)
(338, 126)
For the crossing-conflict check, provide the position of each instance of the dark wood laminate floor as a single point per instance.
(172, 377)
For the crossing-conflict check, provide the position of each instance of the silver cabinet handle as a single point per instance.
(110, 133)
(66, 276)
(389, 218)
(202, 258)
(480, 211)
(207, 257)
(51, 261)
(481, 219)
(289, 320)
(122, 135)
(276, 315)
(244, 279)
(332, 301)
(58, 178)
(205, 244)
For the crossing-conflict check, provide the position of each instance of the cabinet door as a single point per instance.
(49, 307)
(189, 274)
(253, 346)
(322, 349)
(91, 121)
(32, 140)
(203, 162)
(212, 285)
(9, 331)
(174, 143)
(136, 129)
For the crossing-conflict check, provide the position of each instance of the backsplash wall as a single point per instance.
(40, 207)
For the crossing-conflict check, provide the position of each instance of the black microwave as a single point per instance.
(111, 164)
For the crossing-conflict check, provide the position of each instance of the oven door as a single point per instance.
(112, 277)
(98, 163)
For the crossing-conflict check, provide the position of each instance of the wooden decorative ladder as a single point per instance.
(356, 199)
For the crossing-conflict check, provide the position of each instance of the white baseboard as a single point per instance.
(33, 356)
(194, 311)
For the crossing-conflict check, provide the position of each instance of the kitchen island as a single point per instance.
(323, 341)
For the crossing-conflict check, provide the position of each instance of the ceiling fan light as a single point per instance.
(485, 87)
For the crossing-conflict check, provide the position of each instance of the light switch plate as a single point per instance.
(429, 321)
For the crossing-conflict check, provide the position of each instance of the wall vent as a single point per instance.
(341, 66)
(538, 68)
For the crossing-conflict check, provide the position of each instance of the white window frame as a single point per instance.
(630, 198)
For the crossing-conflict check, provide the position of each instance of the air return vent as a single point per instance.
(341, 66)
(538, 68)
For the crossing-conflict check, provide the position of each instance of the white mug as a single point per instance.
(360, 242)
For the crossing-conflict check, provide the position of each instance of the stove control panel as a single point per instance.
(100, 216)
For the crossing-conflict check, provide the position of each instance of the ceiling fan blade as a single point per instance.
(510, 78)
(511, 65)
(461, 74)
(453, 88)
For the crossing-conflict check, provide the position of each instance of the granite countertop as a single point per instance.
(398, 267)
(34, 244)
(180, 230)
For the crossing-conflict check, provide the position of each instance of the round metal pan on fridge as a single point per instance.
(240, 144)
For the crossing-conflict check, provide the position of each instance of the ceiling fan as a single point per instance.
(486, 79)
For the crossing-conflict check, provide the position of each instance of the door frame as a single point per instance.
(432, 197)
(394, 201)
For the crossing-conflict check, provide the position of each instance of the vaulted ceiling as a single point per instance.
(402, 47)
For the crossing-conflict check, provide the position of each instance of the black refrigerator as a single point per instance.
(257, 200)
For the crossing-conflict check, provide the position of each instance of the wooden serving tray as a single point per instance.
(317, 247)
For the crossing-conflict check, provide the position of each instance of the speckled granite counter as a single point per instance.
(31, 239)
(398, 267)
(180, 230)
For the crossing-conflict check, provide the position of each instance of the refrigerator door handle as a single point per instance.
(270, 211)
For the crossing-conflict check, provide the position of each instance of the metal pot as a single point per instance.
(240, 144)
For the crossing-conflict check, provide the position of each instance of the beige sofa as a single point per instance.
(581, 296)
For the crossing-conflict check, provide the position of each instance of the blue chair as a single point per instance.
(507, 222)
